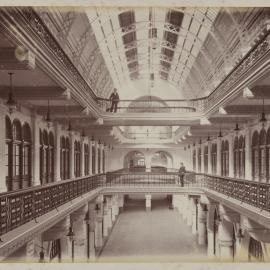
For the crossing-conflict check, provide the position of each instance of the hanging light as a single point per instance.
(200, 141)
(99, 142)
(188, 146)
(263, 119)
(70, 234)
(11, 103)
(83, 134)
(208, 138)
(48, 116)
(69, 127)
(237, 129)
(220, 134)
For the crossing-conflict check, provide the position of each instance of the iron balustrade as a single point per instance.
(154, 106)
(256, 194)
(22, 206)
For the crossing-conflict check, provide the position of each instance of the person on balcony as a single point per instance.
(114, 98)
(182, 171)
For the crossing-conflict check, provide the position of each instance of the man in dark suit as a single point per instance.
(114, 97)
(182, 172)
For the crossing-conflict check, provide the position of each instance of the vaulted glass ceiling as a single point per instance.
(154, 44)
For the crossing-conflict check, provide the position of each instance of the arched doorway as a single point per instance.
(161, 161)
(134, 161)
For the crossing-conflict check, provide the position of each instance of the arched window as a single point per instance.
(62, 157)
(67, 159)
(77, 159)
(26, 155)
(241, 150)
(199, 159)
(205, 156)
(8, 151)
(86, 159)
(268, 155)
(51, 158)
(262, 156)
(214, 158)
(239, 157)
(46, 157)
(255, 252)
(103, 161)
(16, 156)
(99, 160)
(194, 160)
(93, 159)
(225, 158)
(255, 155)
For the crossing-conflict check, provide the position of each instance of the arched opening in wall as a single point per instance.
(205, 159)
(214, 158)
(239, 157)
(255, 155)
(255, 251)
(26, 156)
(134, 161)
(225, 158)
(161, 161)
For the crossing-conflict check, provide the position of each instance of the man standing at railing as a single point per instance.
(182, 172)
(114, 98)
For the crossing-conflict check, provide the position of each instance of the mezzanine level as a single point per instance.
(31, 211)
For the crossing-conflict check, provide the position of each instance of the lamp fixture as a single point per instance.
(239, 233)
(11, 103)
(188, 146)
(99, 142)
(83, 134)
(237, 129)
(48, 116)
(263, 119)
(208, 138)
(70, 234)
(220, 134)
(69, 128)
(200, 141)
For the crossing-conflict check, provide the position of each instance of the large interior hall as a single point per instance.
(134, 134)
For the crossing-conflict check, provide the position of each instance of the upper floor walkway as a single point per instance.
(29, 211)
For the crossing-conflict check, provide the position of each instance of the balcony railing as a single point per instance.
(153, 106)
(253, 193)
(22, 206)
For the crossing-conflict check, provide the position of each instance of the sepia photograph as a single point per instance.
(134, 135)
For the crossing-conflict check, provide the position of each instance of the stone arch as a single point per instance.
(161, 159)
(134, 159)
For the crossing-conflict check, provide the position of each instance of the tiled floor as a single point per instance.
(157, 236)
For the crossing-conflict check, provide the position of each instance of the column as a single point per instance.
(121, 202)
(248, 154)
(96, 147)
(209, 158)
(57, 152)
(147, 162)
(82, 157)
(105, 220)
(210, 230)
(35, 151)
(98, 232)
(231, 155)
(31, 255)
(185, 208)
(80, 243)
(197, 158)
(219, 156)
(225, 236)
(92, 251)
(202, 158)
(101, 157)
(189, 211)
(72, 140)
(148, 202)
(110, 221)
(90, 156)
(194, 204)
(202, 214)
